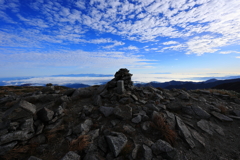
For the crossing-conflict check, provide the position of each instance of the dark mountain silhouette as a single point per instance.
(235, 86)
(189, 85)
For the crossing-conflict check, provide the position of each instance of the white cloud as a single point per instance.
(237, 57)
(190, 20)
(131, 47)
(228, 52)
(170, 42)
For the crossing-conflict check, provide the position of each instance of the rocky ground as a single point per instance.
(119, 121)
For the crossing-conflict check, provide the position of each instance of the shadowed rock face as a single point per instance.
(119, 121)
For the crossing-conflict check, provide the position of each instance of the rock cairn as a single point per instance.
(121, 75)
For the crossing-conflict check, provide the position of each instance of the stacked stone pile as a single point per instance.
(120, 121)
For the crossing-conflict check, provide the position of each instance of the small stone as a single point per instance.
(71, 156)
(137, 119)
(34, 158)
(106, 111)
(83, 127)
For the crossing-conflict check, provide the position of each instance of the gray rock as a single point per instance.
(59, 111)
(123, 112)
(93, 134)
(107, 111)
(83, 93)
(7, 147)
(71, 156)
(216, 128)
(129, 129)
(126, 100)
(184, 95)
(204, 125)
(146, 125)
(22, 109)
(120, 87)
(134, 97)
(45, 114)
(97, 100)
(200, 112)
(137, 119)
(198, 137)
(161, 146)
(40, 139)
(196, 111)
(53, 125)
(135, 151)
(83, 127)
(147, 153)
(116, 142)
(39, 129)
(14, 136)
(27, 125)
(185, 132)
(221, 117)
(34, 158)
(90, 156)
(152, 107)
(101, 88)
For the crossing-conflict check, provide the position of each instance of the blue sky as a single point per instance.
(155, 39)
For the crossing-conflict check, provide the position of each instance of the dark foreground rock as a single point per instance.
(119, 121)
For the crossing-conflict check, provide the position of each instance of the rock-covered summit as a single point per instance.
(119, 121)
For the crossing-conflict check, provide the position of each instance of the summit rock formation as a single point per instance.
(119, 121)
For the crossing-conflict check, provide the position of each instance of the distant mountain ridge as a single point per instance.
(188, 84)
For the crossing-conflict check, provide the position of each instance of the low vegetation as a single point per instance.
(161, 125)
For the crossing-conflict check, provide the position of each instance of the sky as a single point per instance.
(157, 40)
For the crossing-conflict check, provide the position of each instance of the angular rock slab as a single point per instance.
(196, 111)
(116, 141)
(221, 117)
(204, 125)
(209, 127)
(13, 136)
(185, 132)
(71, 156)
(161, 146)
(22, 109)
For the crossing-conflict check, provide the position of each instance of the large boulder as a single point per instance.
(22, 109)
